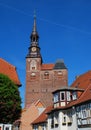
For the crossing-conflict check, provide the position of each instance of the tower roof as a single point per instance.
(59, 65)
(34, 30)
(34, 26)
(34, 49)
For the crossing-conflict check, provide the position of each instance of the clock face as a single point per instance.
(33, 49)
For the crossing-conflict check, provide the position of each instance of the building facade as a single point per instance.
(42, 79)
(71, 107)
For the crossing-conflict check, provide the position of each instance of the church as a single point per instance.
(41, 78)
(49, 103)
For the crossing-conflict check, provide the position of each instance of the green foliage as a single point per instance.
(10, 101)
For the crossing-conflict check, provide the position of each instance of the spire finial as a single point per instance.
(34, 26)
(34, 13)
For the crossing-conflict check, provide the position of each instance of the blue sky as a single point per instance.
(64, 27)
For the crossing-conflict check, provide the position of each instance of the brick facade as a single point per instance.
(42, 79)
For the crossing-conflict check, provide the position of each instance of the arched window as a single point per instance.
(33, 65)
(46, 75)
(60, 74)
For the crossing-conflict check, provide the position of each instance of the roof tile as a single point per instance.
(9, 70)
(47, 66)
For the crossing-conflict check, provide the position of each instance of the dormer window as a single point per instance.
(68, 96)
(62, 96)
(56, 97)
(74, 95)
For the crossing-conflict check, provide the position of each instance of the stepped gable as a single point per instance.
(82, 81)
(10, 71)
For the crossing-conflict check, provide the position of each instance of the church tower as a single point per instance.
(42, 79)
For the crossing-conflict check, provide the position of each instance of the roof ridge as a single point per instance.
(8, 63)
(84, 73)
(48, 64)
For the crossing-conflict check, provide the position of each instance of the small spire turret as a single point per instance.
(34, 35)
(34, 49)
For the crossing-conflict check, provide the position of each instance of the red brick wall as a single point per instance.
(39, 88)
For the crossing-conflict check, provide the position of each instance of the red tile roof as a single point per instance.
(47, 66)
(43, 117)
(82, 81)
(86, 96)
(10, 71)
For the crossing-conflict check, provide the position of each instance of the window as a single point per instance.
(62, 96)
(68, 96)
(74, 95)
(33, 39)
(43, 127)
(46, 75)
(56, 97)
(7, 128)
(33, 76)
(33, 65)
(35, 127)
(84, 113)
(64, 119)
(69, 116)
(60, 74)
(54, 120)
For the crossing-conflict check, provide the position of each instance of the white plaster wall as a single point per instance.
(61, 127)
(84, 128)
(49, 125)
(74, 122)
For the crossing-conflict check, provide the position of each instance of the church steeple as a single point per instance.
(34, 35)
(34, 49)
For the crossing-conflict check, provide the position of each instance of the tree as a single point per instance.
(10, 101)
